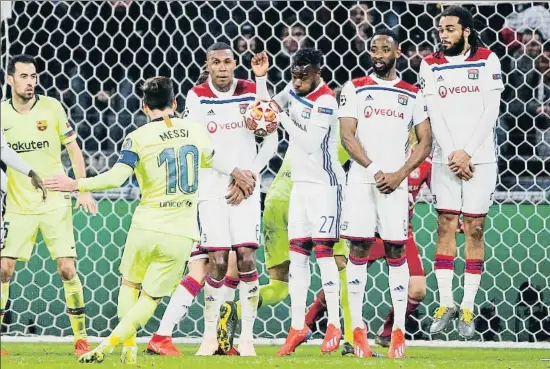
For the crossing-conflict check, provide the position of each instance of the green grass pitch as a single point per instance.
(59, 356)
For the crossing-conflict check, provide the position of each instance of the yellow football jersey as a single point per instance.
(37, 136)
(166, 155)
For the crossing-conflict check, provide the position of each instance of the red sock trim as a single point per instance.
(473, 266)
(323, 251)
(191, 285)
(397, 262)
(231, 282)
(444, 262)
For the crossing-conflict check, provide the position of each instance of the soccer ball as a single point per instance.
(261, 118)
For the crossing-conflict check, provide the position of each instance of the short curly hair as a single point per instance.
(308, 56)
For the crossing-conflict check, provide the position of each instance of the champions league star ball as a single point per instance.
(261, 118)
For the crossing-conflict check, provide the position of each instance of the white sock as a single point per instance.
(299, 280)
(399, 289)
(356, 274)
(178, 306)
(213, 299)
(330, 278)
(230, 288)
(249, 296)
(445, 286)
(472, 278)
(444, 273)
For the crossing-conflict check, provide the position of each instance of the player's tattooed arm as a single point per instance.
(348, 128)
(388, 182)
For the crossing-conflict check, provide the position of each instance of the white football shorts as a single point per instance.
(471, 198)
(314, 212)
(367, 210)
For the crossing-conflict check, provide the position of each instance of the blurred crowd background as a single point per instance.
(93, 56)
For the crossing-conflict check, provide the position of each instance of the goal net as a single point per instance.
(94, 55)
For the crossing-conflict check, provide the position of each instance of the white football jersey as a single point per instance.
(3, 142)
(385, 112)
(317, 108)
(222, 115)
(459, 82)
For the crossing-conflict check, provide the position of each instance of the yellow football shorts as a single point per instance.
(56, 227)
(275, 225)
(156, 260)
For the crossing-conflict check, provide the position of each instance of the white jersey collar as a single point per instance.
(384, 82)
(220, 93)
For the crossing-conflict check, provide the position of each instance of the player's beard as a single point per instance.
(455, 49)
(26, 96)
(385, 70)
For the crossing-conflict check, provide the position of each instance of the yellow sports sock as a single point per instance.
(270, 294)
(4, 300)
(344, 304)
(74, 298)
(137, 317)
(127, 298)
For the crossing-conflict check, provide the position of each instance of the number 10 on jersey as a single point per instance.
(182, 170)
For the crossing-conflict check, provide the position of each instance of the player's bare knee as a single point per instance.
(246, 259)
(219, 264)
(341, 261)
(7, 268)
(66, 268)
(279, 272)
(417, 288)
(394, 250)
(474, 228)
(359, 249)
(127, 283)
(446, 224)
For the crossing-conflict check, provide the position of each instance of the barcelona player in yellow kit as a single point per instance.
(165, 154)
(36, 127)
(277, 258)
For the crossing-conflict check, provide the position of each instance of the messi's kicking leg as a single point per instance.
(180, 301)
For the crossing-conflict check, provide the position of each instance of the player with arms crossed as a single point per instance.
(462, 84)
(36, 126)
(376, 113)
(219, 104)
(277, 259)
(315, 199)
(165, 154)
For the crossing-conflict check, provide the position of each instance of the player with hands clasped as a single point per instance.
(462, 84)
(316, 197)
(229, 205)
(375, 114)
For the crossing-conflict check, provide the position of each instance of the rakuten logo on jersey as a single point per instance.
(213, 127)
(444, 91)
(21, 147)
(390, 113)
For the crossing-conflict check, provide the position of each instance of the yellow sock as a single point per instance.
(5, 294)
(344, 304)
(137, 317)
(74, 298)
(127, 298)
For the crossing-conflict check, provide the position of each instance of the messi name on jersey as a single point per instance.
(175, 133)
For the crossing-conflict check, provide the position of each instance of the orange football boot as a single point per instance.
(331, 342)
(162, 345)
(3, 353)
(397, 345)
(361, 347)
(295, 338)
(81, 347)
